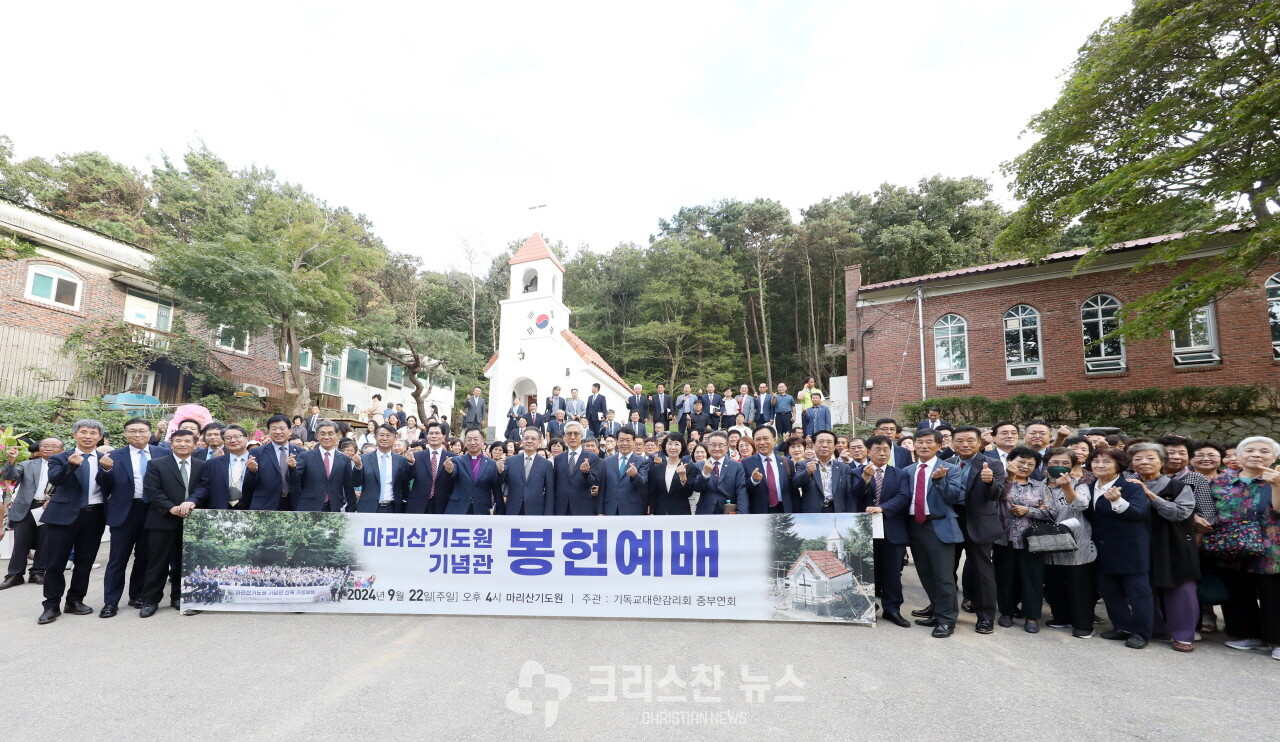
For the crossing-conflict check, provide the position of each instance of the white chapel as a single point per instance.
(536, 349)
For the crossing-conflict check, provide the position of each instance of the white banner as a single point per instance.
(803, 567)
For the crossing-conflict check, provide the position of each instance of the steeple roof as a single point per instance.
(535, 249)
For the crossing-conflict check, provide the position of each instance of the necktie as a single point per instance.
(879, 484)
(622, 464)
(773, 483)
(284, 472)
(919, 500)
(142, 462)
(528, 467)
(237, 479)
(433, 475)
(715, 470)
(328, 464)
(573, 462)
(186, 476)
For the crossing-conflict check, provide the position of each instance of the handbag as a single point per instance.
(1048, 538)
(1241, 539)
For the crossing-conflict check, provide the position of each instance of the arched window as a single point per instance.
(529, 282)
(1273, 308)
(1099, 317)
(53, 286)
(951, 350)
(1022, 344)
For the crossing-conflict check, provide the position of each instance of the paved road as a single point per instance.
(219, 676)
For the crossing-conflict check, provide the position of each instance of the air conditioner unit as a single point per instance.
(260, 391)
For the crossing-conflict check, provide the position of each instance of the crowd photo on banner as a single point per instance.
(1019, 524)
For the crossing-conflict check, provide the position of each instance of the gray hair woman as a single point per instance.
(1252, 492)
(1175, 560)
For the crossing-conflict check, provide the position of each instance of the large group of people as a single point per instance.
(1161, 530)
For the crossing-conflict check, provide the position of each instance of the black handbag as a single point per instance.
(1044, 537)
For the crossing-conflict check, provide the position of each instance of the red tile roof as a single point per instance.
(492, 360)
(1052, 258)
(826, 561)
(589, 355)
(534, 249)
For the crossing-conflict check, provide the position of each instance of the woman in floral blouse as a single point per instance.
(1025, 500)
(1252, 610)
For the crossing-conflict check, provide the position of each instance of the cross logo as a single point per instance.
(558, 684)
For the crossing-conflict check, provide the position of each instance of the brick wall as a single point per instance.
(892, 352)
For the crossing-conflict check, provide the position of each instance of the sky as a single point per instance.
(444, 123)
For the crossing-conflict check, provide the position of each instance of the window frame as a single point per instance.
(305, 354)
(1190, 356)
(55, 274)
(346, 366)
(1103, 363)
(1037, 367)
(217, 341)
(1272, 285)
(949, 322)
(336, 378)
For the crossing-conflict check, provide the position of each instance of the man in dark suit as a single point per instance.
(475, 412)
(127, 514)
(882, 487)
(476, 484)
(31, 477)
(624, 480)
(577, 474)
(698, 420)
(713, 405)
(555, 402)
(514, 413)
(169, 483)
(313, 419)
(383, 476)
(555, 426)
(660, 406)
(888, 427)
(228, 481)
(638, 402)
(597, 408)
(769, 486)
(74, 519)
(824, 481)
(610, 426)
(721, 480)
(401, 418)
(530, 478)
(765, 402)
(270, 461)
(321, 477)
(432, 488)
(934, 530)
(982, 480)
(933, 418)
(514, 434)
(534, 419)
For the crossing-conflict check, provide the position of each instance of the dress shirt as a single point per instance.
(929, 467)
(384, 477)
(138, 454)
(95, 492)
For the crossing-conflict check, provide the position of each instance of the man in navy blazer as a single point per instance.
(638, 402)
(934, 529)
(431, 487)
(597, 408)
(227, 481)
(812, 477)
(383, 476)
(477, 486)
(721, 480)
(74, 519)
(624, 480)
(272, 491)
(933, 419)
(126, 510)
(321, 478)
(880, 487)
(763, 495)
(713, 405)
(888, 427)
(577, 474)
(530, 479)
(765, 402)
(169, 483)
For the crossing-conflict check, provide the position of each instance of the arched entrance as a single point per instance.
(526, 392)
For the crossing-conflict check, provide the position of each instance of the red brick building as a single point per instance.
(1012, 328)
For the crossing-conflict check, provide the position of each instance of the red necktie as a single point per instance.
(920, 485)
(773, 483)
(715, 470)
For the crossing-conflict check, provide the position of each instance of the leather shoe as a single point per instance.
(135, 603)
(148, 611)
(942, 630)
(108, 611)
(1005, 622)
(77, 608)
(927, 621)
(1031, 626)
(175, 604)
(1115, 635)
(923, 613)
(11, 581)
(1135, 642)
(49, 616)
(897, 620)
(966, 605)
(984, 627)
(37, 579)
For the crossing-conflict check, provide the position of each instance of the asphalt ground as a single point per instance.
(245, 676)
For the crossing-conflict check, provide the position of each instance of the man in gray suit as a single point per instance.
(575, 408)
(32, 477)
(475, 411)
(748, 403)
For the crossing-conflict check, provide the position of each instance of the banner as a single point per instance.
(785, 567)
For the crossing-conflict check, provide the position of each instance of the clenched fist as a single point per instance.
(448, 466)
(502, 466)
(292, 461)
(252, 464)
(940, 472)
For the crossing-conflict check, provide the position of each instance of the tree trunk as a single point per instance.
(746, 344)
(764, 325)
(297, 396)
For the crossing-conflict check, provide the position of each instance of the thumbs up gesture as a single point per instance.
(940, 472)
(75, 459)
(292, 461)
(448, 466)
(356, 461)
(586, 465)
(987, 475)
(631, 470)
(106, 463)
(252, 464)
(756, 476)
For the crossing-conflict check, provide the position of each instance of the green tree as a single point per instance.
(1169, 118)
(784, 542)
